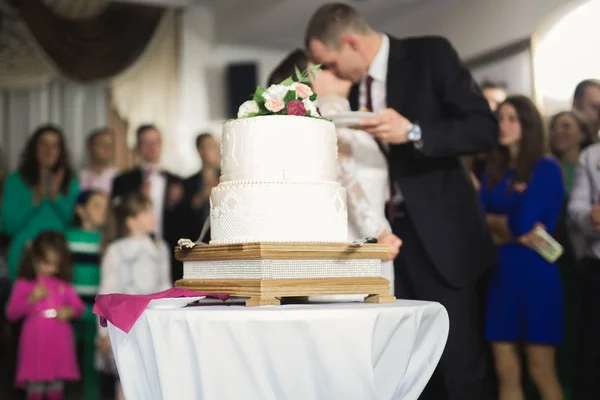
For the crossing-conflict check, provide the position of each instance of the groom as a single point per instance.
(429, 114)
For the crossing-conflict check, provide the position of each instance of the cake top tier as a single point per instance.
(290, 97)
(279, 148)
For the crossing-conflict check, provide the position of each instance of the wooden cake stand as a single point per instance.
(264, 291)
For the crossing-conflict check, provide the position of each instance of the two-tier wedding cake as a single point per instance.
(278, 182)
(278, 217)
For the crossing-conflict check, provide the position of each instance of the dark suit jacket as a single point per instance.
(173, 221)
(427, 83)
(195, 217)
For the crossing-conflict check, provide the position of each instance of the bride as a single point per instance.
(362, 167)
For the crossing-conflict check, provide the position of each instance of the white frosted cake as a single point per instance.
(278, 182)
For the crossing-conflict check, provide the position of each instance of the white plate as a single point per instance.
(169, 304)
(346, 119)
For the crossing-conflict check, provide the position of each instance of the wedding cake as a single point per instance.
(278, 182)
(278, 217)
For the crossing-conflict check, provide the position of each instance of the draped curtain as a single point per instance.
(95, 47)
(60, 58)
(76, 108)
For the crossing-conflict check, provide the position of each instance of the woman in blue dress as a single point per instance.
(523, 188)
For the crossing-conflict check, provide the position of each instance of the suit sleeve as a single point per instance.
(117, 187)
(468, 126)
(544, 191)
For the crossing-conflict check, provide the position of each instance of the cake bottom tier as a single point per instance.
(281, 269)
(278, 212)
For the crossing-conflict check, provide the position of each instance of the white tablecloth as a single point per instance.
(304, 352)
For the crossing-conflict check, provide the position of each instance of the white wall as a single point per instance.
(202, 79)
(478, 26)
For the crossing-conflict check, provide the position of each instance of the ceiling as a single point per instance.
(281, 23)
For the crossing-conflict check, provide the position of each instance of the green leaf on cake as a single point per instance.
(289, 96)
(298, 73)
(258, 95)
(313, 97)
(288, 81)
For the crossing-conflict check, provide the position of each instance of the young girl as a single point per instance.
(133, 262)
(84, 239)
(520, 189)
(45, 299)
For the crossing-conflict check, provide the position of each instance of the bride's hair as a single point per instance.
(285, 69)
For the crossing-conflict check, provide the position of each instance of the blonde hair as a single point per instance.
(121, 209)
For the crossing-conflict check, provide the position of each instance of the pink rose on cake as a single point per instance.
(295, 107)
(274, 105)
(302, 91)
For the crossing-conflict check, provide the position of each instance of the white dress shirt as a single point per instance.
(158, 186)
(378, 71)
(584, 195)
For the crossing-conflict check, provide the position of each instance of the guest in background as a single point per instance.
(523, 188)
(569, 134)
(164, 189)
(494, 93)
(133, 262)
(85, 238)
(40, 195)
(429, 114)
(584, 213)
(198, 186)
(44, 298)
(586, 100)
(101, 172)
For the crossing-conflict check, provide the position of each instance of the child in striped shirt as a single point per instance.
(85, 239)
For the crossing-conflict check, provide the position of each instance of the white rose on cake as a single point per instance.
(275, 92)
(247, 108)
(311, 107)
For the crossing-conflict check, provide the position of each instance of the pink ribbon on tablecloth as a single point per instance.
(123, 310)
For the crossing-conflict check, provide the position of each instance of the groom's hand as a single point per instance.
(389, 126)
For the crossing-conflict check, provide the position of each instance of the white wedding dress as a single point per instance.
(363, 172)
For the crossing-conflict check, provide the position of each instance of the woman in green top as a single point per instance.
(40, 194)
(85, 239)
(569, 134)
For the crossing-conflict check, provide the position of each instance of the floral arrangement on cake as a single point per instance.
(290, 97)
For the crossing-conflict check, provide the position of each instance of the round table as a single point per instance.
(322, 351)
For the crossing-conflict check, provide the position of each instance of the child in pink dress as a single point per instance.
(44, 298)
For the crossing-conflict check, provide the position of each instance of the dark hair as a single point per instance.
(285, 68)
(143, 129)
(93, 135)
(582, 124)
(122, 209)
(38, 249)
(531, 148)
(29, 165)
(330, 21)
(201, 138)
(487, 84)
(582, 87)
(82, 200)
